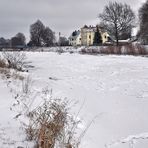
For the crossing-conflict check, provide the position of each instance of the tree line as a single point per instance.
(117, 19)
(40, 36)
(19, 40)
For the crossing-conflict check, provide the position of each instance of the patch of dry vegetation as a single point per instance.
(18, 76)
(15, 60)
(11, 64)
(51, 125)
(128, 49)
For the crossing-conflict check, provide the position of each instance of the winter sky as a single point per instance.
(60, 15)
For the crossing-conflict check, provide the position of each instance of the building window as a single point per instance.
(89, 36)
(80, 39)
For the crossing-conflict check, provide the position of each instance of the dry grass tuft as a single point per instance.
(51, 125)
(47, 123)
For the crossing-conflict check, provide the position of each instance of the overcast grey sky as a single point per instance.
(60, 15)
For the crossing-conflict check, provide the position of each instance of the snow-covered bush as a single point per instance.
(60, 50)
(90, 50)
(15, 60)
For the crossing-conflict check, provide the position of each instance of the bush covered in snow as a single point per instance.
(15, 60)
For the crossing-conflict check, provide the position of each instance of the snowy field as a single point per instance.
(114, 90)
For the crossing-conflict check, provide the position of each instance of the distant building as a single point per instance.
(85, 36)
(88, 33)
(75, 38)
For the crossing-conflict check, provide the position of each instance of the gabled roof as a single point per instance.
(72, 36)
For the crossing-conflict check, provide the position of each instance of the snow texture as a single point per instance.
(114, 89)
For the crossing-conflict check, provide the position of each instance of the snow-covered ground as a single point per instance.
(114, 89)
(11, 130)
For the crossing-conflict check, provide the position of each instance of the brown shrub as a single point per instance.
(2, 63)
(128, 49)
(136, 49)
(51, 124)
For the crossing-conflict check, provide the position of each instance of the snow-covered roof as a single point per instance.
(72, 36)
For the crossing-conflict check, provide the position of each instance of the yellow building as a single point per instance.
(85, 36)
(105, 36)
(88, 33)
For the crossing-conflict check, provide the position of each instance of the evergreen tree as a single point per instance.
(97, 37)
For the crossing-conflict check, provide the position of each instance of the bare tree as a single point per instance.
(48, 37)
(143, 16)
(36, 33)
(41, 35)
(118, 19)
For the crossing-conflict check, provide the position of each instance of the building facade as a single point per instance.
(85, 36)
(75, 38)
(88, 33)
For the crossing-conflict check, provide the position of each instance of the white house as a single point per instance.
(75, 38)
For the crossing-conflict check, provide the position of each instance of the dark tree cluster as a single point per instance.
(40, 35)
(18, 41)
(4, 42)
